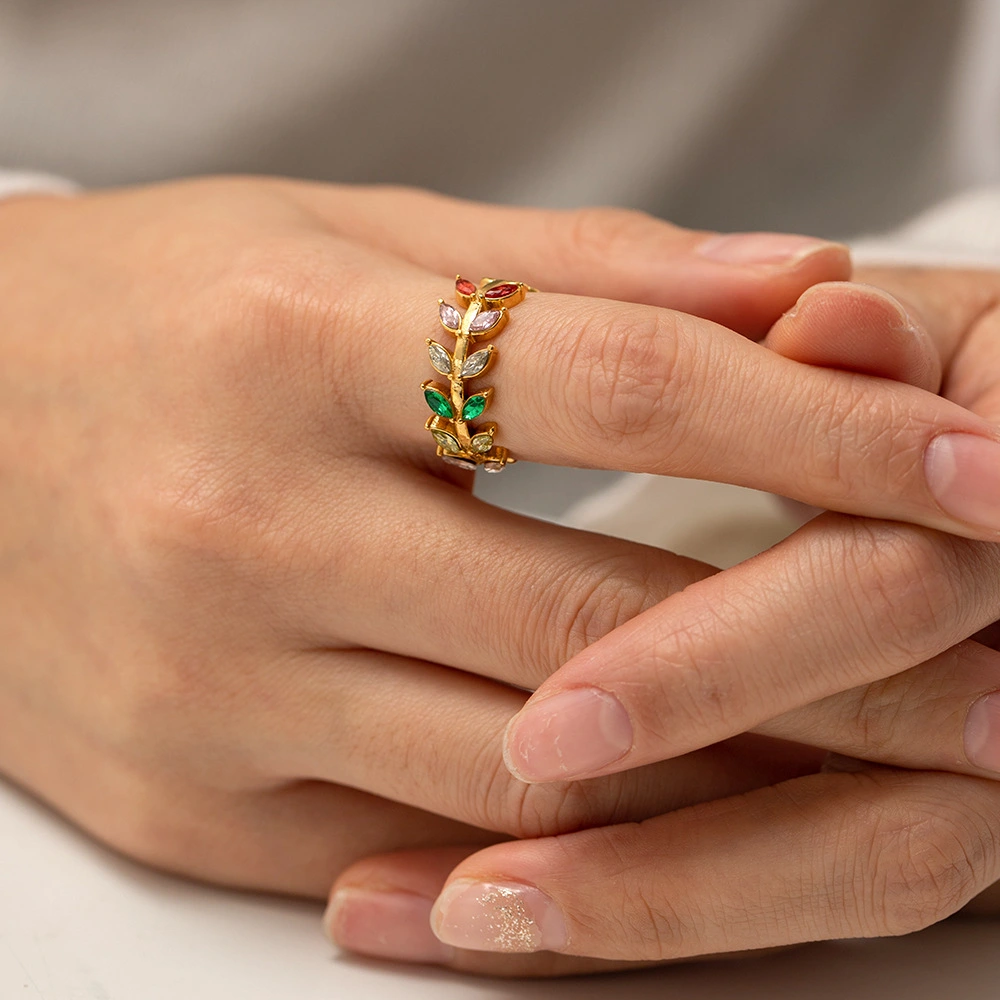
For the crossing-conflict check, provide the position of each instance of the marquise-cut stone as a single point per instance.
(447, 441)
(439, 404)
(461, 463)
(440, 358)
(474, 405)
(482, 443)
(475, 363)
(485, 321)
(465, 287)
(501, 291)
(493, 466)
(451, 318)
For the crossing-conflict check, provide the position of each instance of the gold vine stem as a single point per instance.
(455, 380)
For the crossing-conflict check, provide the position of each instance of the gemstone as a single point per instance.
(440, 358)
(501, 291)
(451, 318)
(475, 363)
(447, 441)
(439, 404)
(474, 405)
(465, 287)
(493, 466)
(485, 321)
(462, 463)
(482, 443)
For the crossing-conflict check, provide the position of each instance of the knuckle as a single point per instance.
(928, 861)
(600, 598)
(624, 377)
(902, 587)
(599, 233)
(850, 430)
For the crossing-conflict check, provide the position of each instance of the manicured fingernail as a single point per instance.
(498, 916)
(982, 733)
(963, 474)
(567, 735)
(384, 925)
(760, 248)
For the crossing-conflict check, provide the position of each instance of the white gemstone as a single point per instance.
(440, 358)
(475, 363)
(493, 466)
(485, 321)
(450, 316)
(462, 463)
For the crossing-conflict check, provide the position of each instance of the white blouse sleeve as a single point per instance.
(15, 183)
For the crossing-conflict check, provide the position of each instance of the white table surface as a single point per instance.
(79, 923)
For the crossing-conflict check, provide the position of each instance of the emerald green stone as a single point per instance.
(474, 405)
(440, 405)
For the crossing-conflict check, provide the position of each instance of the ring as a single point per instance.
(458, 442)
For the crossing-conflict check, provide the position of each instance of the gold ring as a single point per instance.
(458, 442)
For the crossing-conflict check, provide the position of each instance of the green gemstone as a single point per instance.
(474, 405)
(440, 405)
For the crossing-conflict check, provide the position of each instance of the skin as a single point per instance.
(223, 530)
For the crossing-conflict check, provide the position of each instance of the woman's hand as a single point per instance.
(233, 575)
(857, 851)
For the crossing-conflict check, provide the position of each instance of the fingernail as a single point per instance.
(982, 733)
(384, 925)
(760, 248)
(498, 916)
(963, 474)
(569, 734)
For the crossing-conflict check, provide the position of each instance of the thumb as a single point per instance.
(381, 907)
(744, 281)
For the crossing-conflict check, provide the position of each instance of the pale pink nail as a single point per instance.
(982, 733)
(384, 925)
(498, 916)
(567, 735)
(760, 248)
(963, 474)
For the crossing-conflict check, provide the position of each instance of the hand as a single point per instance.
(857, 851)
(229, 560)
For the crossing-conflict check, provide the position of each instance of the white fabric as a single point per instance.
(14, 183)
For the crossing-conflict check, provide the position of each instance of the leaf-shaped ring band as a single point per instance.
(453, 406)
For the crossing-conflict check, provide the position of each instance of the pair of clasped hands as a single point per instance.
(256, 633)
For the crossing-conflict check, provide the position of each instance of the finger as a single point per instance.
(742, 280)
(858, 328)
(763, 638)
(380, 907)
(865, 854)
(948, 302)
(608, 385)
(366, 720)
(438, 597)
(601, 384)
(941, 715)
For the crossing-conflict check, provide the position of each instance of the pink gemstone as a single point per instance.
(465, 287)
(485, 321)
(450, 316)
(501, 291)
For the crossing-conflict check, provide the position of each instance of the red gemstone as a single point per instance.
(501, 291)
(465, 287)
